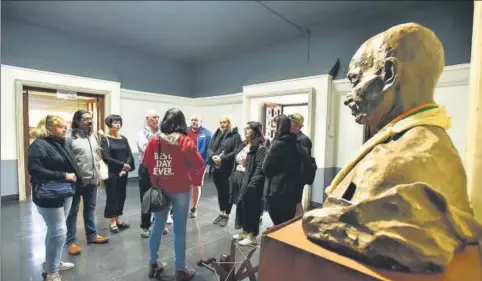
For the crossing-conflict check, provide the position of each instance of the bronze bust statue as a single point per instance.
(401, 203)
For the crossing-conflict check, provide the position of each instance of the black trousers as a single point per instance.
(281, 208)
(115, 189)
(144, 185)
(221, 181)
(248, 210)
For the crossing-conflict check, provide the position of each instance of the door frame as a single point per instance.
(19, 122)
(26, 118)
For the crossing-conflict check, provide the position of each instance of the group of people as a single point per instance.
(240, 169)
(65, 165)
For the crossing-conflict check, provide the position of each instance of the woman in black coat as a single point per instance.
(283, 168)
(54, 174)
(247, 184)
(221, 154)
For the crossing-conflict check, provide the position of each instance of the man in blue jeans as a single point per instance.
(202, 138)
(84, 145)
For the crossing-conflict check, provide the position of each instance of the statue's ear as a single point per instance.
(391, 70)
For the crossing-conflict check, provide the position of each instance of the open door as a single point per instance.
(271, 110)
(39, 102)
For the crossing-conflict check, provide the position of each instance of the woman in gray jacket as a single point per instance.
(84, 145)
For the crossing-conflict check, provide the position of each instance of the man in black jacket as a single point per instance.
(297, 122)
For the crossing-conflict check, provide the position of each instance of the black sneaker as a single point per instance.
(224, 221)
(218, 219)
(156, 269)
(193, 213)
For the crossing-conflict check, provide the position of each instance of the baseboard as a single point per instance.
(10, 198)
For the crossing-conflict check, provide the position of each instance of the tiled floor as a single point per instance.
(125, 257)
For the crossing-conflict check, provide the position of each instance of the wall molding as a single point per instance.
(146, 96)
(453, 75)
(171, 99)
(32, 70)
(218, 100)
(265, 84)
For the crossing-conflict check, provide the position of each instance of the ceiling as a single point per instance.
(191, 31)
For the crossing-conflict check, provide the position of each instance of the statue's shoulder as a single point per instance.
(426, 140)
(420, 154)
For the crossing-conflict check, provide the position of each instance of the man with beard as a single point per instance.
(402, 202)
(202, 138)
(151, 128)
(84, 145)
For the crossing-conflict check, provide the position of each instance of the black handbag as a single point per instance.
(54, 190)
(156, 198)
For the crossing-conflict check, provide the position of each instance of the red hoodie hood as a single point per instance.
(178, 164)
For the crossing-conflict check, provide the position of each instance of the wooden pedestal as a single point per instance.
(287, 255)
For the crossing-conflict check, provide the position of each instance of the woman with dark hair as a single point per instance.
(84, 144)
(247, 183)
(173, 163)
(117, 154)
(221, 154)
(283, 168)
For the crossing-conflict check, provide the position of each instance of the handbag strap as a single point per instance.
(159, 155)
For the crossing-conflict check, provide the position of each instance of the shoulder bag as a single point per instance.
(156, 198)
(54, 190)
(104, 169)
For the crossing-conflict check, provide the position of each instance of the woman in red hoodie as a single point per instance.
(173, 162)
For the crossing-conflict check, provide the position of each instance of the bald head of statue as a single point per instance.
(393, 72)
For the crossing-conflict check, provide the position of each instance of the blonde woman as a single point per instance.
(54, 176)
(222, 150)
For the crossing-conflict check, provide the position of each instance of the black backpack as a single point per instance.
(308, 165)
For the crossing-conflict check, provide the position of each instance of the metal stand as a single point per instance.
(225, 269)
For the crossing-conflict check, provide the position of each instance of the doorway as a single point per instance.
(39, 102)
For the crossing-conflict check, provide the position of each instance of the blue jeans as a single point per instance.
(89, 196)
(180, 207)
(56, 234)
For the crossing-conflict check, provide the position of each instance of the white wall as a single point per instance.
(211, 108)
(451, 92)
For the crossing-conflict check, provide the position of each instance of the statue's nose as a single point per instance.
(348, 99)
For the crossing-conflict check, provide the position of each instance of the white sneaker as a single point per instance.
(62, 267)
(169, 219)
(249, 240)
(240, 236)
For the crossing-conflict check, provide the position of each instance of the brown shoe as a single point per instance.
(156, 269)
(185, 275)
(98, 240)
(73, 249)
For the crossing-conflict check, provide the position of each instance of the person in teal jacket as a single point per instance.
(202, 138)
